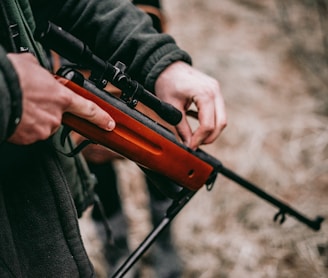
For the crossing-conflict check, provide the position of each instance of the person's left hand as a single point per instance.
(181, 85)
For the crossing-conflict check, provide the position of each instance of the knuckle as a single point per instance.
(214, 84)
(223, 124)
(64, 96)
(67, 99)
(56, 123)
(208, 128)
(212, 90)
(43, 134)
(91, 110)
(46, 131)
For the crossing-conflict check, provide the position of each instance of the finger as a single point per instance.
(184, 131)
(220, 120)
(212, 120)
(183, 128)
(90, 111)
(207, 121)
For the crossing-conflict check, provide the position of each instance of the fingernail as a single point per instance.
(111, 125)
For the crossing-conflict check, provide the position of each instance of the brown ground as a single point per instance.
(272, 66)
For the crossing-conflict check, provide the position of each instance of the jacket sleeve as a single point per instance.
(116, 31)
(10, 97)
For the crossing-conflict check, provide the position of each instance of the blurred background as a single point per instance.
(271, 59)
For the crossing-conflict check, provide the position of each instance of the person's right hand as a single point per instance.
(45, 100)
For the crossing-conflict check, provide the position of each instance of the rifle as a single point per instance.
(178, 171)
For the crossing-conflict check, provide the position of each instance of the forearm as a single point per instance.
(117, 31)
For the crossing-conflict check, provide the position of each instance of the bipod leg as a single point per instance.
(171, 212)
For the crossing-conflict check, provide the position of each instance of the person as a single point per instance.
(100, 162)
(39, 230)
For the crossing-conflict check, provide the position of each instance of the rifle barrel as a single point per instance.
(283, 208)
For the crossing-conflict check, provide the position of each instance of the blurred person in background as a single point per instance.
(100, 162)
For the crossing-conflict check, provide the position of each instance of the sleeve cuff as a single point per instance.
(13, 87)
(154, 68)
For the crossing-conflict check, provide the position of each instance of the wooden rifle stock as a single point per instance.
(139, 138)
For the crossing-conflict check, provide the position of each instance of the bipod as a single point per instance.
(172, 211)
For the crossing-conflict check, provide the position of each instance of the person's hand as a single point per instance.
(45, 100)
(181, 85)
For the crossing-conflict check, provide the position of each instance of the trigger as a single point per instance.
(79, 148)
(65, 133)
(65, 136)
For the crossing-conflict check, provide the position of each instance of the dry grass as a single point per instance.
(273, 74)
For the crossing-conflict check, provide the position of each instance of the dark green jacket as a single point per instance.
(39, 234)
